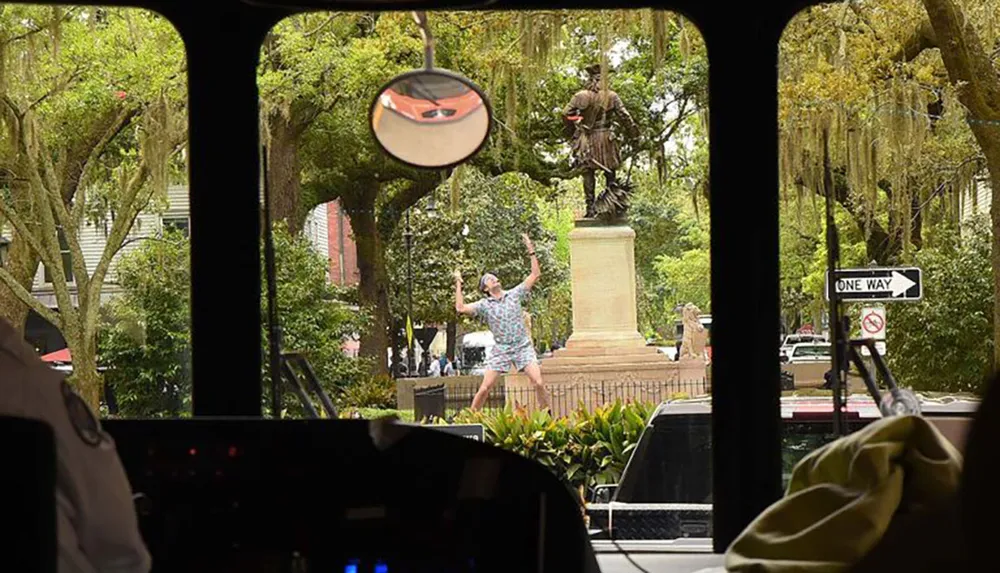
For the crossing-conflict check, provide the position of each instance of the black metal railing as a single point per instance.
(567, 398)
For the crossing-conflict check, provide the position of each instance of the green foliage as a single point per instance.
(145, 340)
(668, 227)
(688, 276)
(316, 317)
(378, 392)
(945, 342)
(582, 449)
(374, 413)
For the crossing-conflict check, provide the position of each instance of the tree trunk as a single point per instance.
(23, 263)
(969, 67)
(283, 169)
(373, 291)
(995, 251)
(86, 380)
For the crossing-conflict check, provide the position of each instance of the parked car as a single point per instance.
(807, 353)
(793, 339)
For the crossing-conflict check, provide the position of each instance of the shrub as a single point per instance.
(584, 449)
(371, 392)
(374, 413)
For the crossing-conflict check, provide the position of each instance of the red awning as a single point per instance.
(58, 356)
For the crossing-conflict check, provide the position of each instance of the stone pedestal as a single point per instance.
(605, 358)
(602, 264)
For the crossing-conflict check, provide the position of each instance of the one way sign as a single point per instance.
(902, 283)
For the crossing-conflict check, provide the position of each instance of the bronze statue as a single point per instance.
(588, 120)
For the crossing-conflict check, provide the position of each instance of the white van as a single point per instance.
(475, 350)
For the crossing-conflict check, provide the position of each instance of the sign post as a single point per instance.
(877, 284)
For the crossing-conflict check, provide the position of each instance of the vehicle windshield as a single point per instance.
(511, 230)
(809, 350)
(430, 87)
(589, 206)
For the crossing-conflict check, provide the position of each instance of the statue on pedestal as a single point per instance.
(588, 120)
(694, 335)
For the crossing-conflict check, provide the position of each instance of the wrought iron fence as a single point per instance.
(566, 398)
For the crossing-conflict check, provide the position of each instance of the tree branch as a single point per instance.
(49, 235)
(17, 113)
(23, 233)
(921, 38)
(116, 237)
(966, 59)
(76, 176)
(321, 25)
(31, 302)
(43, 28)
(392, 211)
(864, 18)
(75, 74)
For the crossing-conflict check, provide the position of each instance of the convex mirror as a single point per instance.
(430, 118)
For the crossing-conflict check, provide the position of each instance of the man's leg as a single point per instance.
(609, 178)
(535, 375)
(489, 379)
(589, 183)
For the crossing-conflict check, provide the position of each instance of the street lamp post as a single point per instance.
(408, 235)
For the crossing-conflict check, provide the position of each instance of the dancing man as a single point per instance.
(501, 311)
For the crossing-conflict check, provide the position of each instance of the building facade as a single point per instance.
(326, 228)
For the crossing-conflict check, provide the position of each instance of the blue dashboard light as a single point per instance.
(381, 568)
(351, 568)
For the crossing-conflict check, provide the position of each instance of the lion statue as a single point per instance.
(693, 340)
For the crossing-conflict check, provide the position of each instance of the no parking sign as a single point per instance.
(873, 322)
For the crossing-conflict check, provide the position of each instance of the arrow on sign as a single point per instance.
(899, 284)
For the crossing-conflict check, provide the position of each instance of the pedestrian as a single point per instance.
(502, 312)
(424, 364)
(95, 515)
(434, 370)
(827, 380)
(446, 368)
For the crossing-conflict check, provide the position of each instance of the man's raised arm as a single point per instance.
(536, 270)
(460, 305)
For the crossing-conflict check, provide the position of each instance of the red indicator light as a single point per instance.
(233, 451)
(193, 451)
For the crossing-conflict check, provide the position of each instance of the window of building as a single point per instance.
(66, 258)
(177, 224)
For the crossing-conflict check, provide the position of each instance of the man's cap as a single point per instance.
(594, 69)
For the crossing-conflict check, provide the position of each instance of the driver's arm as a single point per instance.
(97, 525)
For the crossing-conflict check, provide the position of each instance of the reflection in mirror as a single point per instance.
(430, 119)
